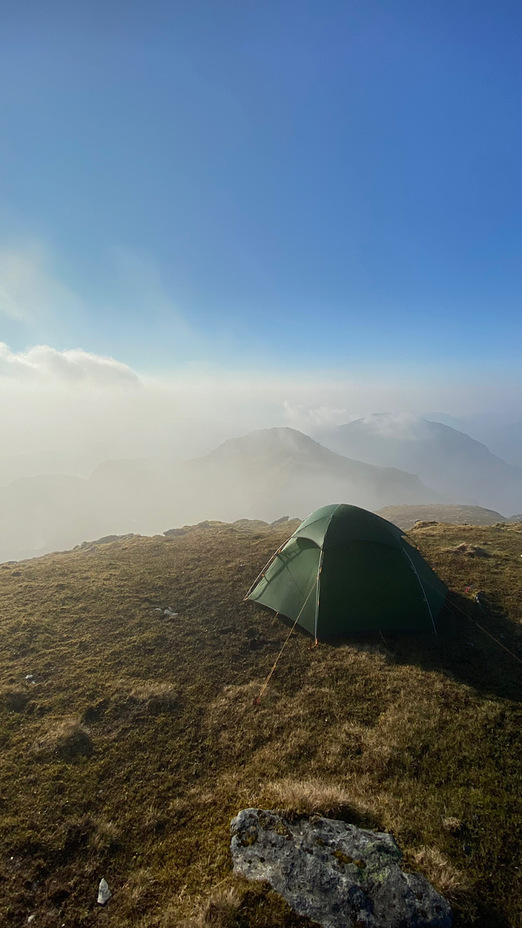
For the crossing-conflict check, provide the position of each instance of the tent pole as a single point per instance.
(319, 571)
(265, 568)
(419, 581)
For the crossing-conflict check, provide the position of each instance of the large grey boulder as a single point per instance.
(334, 873)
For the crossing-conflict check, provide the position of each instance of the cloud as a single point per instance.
(316, 418)
(397, 425)
(44, 364)
(126, 299)
(29, 291)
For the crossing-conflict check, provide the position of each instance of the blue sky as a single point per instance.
(319, 186)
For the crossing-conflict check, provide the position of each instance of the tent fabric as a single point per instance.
(346, 570)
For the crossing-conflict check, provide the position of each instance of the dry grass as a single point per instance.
(452, 824)
(219, 910)
(105, 836)
(448, 880)
(307, 796)
(467, 549)
(155, 697)
(14, 699)
(419, 736)
(406, 517)
(66, 739)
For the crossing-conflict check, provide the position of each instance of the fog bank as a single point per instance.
(71, 410)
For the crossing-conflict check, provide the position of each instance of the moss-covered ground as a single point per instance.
(129, 738)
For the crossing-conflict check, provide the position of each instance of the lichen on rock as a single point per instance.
(334, 873)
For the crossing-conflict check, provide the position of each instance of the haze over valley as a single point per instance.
(387, 461)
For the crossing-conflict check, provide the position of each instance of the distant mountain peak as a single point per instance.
(404, 426)
(456, 465)
(280, 438)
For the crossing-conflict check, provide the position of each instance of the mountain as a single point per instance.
(457, 466)
(505, 440)
(79, 463)
(52, 512)
(271, 471)
(262, 475)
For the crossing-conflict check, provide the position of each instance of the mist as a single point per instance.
(91, 447)
(75, 405)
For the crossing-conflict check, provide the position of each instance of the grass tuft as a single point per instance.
(14, 699)
(437, 868)
(309, 797)
(155, 697)
(66, 739)
(219, 910)
(468, 550)
(448, 880)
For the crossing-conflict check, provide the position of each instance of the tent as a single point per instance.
(346, 570)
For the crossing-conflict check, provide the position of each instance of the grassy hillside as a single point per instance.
(130, 738)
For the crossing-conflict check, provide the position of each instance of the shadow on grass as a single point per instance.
(262, 908)
(464, 650)
(487, 917)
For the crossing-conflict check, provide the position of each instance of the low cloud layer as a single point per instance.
(311, 419)
(80, 408)
(45, 365)
(402, 426)
(75, 414)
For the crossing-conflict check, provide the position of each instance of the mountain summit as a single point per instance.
(272, 470)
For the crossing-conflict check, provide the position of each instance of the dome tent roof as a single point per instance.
(346, 570)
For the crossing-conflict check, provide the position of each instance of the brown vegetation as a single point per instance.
(66, 739)
(130, 739)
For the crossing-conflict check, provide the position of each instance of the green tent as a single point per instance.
(346, 570)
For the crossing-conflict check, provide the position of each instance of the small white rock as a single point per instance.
(104, 893)
(31, 918)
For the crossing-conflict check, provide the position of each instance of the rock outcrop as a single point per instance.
(334, 873)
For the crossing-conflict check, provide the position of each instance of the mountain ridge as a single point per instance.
(450, 461)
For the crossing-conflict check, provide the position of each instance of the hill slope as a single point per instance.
(451, 462)
(505, 440)
(130, 738)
